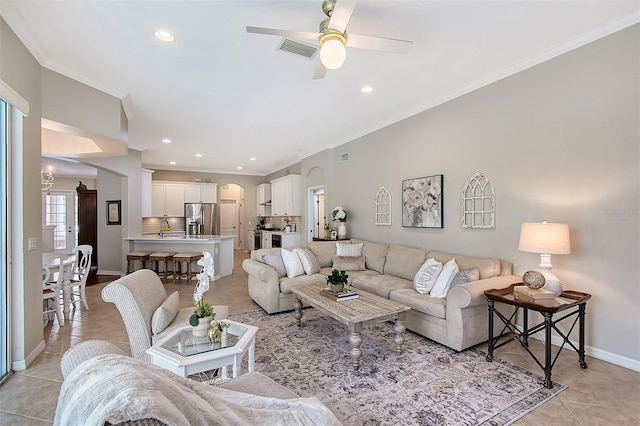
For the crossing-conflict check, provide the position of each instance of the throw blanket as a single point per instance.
(116, 388)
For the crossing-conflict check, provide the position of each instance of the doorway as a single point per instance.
(317, 219)
(59, 209)
(229, 219)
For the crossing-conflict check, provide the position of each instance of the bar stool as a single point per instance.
(156, 258)
(177, 264)
(142, 256)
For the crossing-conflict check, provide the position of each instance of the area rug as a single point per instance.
(428, 384)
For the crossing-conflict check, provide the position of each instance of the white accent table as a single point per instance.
(184, 354)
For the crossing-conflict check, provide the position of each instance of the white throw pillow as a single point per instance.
(426, 277)
(308, 260)
(165, 314)
(441, 287)
(292, 263)
(345, 249)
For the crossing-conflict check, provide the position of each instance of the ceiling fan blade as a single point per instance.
(320, 71)
(378, 43)
(284, 33)
(341, 15)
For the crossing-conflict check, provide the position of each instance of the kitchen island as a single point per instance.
(220, 247)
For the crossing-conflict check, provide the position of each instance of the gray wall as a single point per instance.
(21, 72)
(109, 236)
(560, 142)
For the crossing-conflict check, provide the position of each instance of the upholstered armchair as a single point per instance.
(148, 314)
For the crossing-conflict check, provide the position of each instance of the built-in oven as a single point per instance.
(276, 240)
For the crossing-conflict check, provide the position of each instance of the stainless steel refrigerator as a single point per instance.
(201, 218)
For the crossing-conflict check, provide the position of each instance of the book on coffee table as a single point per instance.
(339, 296)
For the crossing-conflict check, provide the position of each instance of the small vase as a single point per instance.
(337, 288)
(202, 329)
(342, 231)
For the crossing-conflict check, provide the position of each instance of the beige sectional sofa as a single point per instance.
(458, 321)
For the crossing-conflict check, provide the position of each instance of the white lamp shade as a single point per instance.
(545, 238)
(332, 54)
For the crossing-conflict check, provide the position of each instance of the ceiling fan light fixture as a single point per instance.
(332, 52)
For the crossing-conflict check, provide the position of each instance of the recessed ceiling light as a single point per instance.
(239, 167)
(173, 163)
(366, 89)
(252, 159)
(164, 36)
(166, 140)
(198, 155)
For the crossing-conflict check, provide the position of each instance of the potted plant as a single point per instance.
(204, 314)
(337, 280)
(339, 214)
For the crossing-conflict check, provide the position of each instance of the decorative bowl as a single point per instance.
(533, 279)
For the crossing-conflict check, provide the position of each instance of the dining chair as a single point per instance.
(52, 285)
(81, 270)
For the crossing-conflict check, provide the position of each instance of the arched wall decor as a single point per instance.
(383, 207)
(478, 203)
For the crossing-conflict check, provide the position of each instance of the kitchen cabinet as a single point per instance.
(167, 199)
(201, 193)
(266, 240)
(263, 197)
(286, 199)
(146, 187)
(290, 239)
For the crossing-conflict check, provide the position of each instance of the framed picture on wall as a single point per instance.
(114, 213)
(422, 202)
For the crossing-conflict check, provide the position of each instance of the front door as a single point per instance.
(59, 209)
(229, 219)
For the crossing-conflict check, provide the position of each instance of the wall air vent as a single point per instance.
(295, 47)
(344, 157)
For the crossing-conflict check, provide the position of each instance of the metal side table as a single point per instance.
(569, 304)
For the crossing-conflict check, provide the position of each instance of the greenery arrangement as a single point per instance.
(337, 277)
(203, 310)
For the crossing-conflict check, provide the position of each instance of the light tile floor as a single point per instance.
(603, 394)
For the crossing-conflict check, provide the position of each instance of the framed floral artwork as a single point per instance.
(422, 202)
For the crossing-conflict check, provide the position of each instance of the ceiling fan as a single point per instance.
(333, 37)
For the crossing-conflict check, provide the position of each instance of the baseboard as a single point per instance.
(631, 364)
(23, 364)
(101, 272)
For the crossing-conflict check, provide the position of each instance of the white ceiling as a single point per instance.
(229, 95)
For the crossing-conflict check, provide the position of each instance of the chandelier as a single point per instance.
(46, 177)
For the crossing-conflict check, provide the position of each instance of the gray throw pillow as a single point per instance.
(466, 276)
(308, 260)
(275, 261)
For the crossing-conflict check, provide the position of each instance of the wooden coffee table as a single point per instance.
(354, 313)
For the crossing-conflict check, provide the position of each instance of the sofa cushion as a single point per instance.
(165, 314)
(348, 263)
(308, 260)
(348, 249)
(324, 252)
(275, 261)
(381, 285)
(292, 263)
(420, 302)
(487, 266)
(441, 287)
(404, 262)
(286, 283)
(426, 277)
(374, 254)
(466, 276)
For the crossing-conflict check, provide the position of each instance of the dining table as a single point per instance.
(68, 262)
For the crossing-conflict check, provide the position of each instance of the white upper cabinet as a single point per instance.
(263, 196)
(286, 199)
(145, 185)
(168, 198)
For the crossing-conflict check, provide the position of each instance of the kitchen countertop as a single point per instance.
(179, 238)
(279, 232)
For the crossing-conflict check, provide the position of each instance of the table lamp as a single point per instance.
(546, 239)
